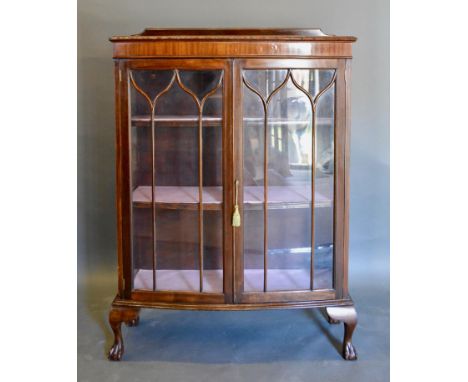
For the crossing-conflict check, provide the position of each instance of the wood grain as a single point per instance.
(238, 34)
(231, 49)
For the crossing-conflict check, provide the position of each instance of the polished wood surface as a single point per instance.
(231, 49)
(232, 43)
(240, 34)
(139, 302)
(209, 195)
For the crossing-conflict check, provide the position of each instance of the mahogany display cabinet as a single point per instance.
(232, 173)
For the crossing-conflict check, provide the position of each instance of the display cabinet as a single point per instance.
(232, 173)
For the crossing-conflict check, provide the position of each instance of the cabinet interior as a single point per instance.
(177, 132)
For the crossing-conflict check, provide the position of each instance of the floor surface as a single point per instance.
(275, 345)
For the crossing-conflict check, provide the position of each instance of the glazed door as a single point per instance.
(177, 120)
(289, 163)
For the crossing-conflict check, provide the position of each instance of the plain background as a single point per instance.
(234, 346)
(366, 19)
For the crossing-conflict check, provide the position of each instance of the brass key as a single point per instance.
(236, 218)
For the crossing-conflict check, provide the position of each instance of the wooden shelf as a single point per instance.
(284, 279)
(284, 197)
(188, 280)
(172, 120)
(178, 197)
(180, 280)
(287, 122)
(187, 197)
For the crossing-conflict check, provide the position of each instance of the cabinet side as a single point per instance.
(122, 182)
(347, 176)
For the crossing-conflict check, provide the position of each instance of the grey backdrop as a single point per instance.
(366, 19)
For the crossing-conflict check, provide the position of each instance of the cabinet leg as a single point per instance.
(117, 315)
(329, 319)
(133, 322)
(348, 315)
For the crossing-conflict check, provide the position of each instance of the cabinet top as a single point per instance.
(280, 34)
(232, 43)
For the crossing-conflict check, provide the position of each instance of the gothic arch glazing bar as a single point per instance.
(265, 100)
(152, 105)
(200, 105)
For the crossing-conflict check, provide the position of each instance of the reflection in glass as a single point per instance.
(289, 189)
(295, 175)
(265, 81)
(313, 80)
(151, 83)
(213, 180)
(253, 181)
(142, 230)
(324, 184)
(200, 82)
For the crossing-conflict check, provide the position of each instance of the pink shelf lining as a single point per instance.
(218, 119)
(188, 280)
(213, 195)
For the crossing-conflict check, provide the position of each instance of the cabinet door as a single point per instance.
(289, 144)
(177, 121)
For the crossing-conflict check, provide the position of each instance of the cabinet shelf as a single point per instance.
(186, 197)
(175, 120)
(183, 197)
(286, 122)
(180, 280)
(188, 280)
(143, 120)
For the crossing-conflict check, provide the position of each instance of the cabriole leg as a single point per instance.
(329, 319)
(118, 315)
(348, 315)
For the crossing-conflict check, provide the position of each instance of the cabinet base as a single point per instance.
(336, 311)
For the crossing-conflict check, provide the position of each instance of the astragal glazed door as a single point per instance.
(289, 245)
(177, 132)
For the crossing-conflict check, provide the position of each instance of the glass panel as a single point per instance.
(176, 172)
(265, 81)
(253, 191)
(177, 266)
(150, 82)
(212, 251)
(289, 189)
(142, 232)
(289, 177)
(324, 185)
(313, 80)
(253, 248)
(213, 183)
(200, 82)
(182, 229)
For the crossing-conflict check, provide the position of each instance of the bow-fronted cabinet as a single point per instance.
(232, 173)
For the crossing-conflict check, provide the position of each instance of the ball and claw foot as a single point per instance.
(349, 353)
(115, 352)
(348, 315)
